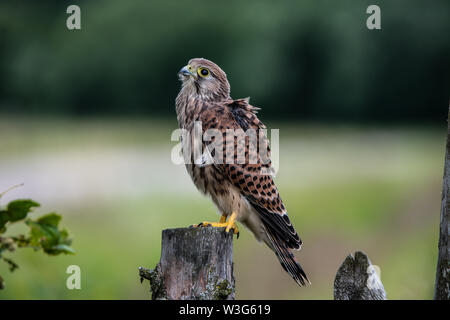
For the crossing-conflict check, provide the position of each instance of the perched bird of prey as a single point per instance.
(243, 191)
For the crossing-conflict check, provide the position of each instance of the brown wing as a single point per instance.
(253, 180)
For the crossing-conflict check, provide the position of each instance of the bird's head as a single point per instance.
(204, 79)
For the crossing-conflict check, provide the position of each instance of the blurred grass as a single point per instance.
(27, 135)
(346, 189)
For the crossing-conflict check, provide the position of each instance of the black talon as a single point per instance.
(237, 235)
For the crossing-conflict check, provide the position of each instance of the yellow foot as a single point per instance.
(228, 225)
(212, 224)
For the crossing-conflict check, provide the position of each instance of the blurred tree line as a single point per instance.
(298, 60)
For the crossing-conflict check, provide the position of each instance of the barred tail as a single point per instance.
(287, 259)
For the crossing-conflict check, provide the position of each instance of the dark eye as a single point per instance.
(203, 72)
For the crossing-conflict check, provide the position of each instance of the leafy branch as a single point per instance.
(43, 234)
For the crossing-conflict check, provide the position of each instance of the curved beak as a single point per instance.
(186, 71)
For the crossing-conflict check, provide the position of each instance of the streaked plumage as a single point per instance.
(248, 188)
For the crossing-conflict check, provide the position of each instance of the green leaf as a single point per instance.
(63, 248)
(51, 219)
(4, 217)
(44, 234)
(19, 209)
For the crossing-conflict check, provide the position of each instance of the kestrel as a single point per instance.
(243, 191)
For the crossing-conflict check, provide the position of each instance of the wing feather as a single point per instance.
(253, 180)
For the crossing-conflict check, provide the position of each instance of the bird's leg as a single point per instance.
(220, 224)
(231, 224)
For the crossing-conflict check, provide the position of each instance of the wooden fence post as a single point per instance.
(442, 289)
(195, 264)
(357, 279)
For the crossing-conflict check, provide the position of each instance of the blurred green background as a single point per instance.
(86, 118)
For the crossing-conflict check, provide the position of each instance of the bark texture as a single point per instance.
(357, 279)
(195, 264)
(442, 289)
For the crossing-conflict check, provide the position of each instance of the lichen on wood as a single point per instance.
(442, 288)
(195, 264)
(357, 279)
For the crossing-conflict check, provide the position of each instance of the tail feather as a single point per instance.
(287, 259)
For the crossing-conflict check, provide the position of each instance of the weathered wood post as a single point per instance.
(195, 264)
(357, 279)
(442, 289)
